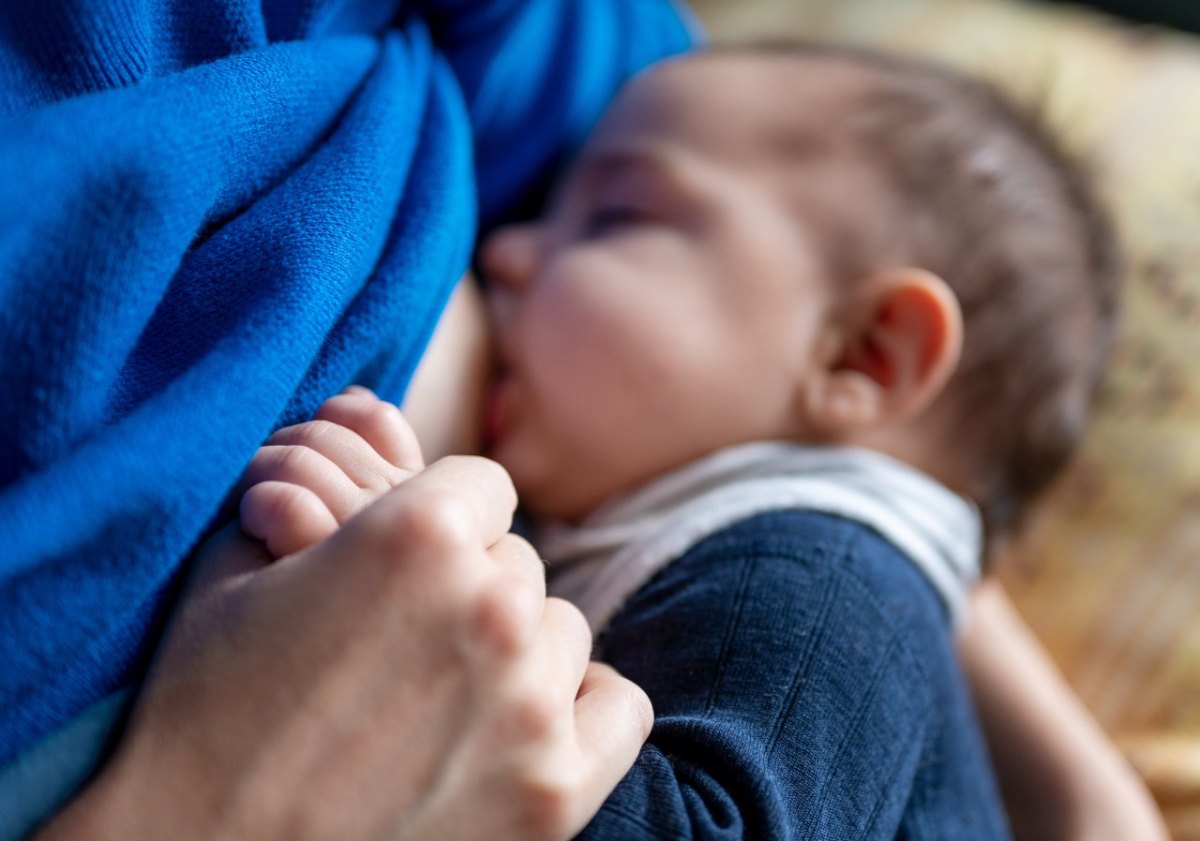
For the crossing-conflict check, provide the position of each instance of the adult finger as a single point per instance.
(509, 605)
(286, 517)
(457, 503)
(505, 616)
(227, 555)
(514, 554)
(310, 469)
(566, 642)
(378, 422)
(346, 448)
(613, 719)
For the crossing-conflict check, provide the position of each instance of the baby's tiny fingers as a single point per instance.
(345, 448)
(378, 422)
(304, 466)
(286, 517)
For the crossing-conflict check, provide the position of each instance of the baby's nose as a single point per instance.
(508, 257)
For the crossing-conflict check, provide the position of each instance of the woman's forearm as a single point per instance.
(1060, 776)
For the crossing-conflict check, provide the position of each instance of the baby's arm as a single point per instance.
(1060, 776)
(310, 478)
(804, 687)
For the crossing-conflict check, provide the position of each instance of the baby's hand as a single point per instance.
(308, 479)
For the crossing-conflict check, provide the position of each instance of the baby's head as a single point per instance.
(802, 243)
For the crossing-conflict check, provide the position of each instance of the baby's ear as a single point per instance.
(894, 349)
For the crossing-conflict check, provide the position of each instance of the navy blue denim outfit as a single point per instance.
(805, 686)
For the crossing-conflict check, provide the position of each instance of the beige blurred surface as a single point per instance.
(1110, 575)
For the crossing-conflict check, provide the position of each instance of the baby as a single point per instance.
(798, 341)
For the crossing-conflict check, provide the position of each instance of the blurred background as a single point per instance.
(1109, 576)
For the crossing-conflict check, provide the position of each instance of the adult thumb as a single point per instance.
(227, 556)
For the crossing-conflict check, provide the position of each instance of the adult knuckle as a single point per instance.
(425, 531)
(532, 716)
(390, 531)
(436, 519)
(499, 620)
(548, 801)
(490, 472)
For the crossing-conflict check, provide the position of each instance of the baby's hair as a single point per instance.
(990, 202)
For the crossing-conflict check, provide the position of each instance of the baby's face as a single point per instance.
(671, 300)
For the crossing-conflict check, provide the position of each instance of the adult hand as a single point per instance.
(404, 679)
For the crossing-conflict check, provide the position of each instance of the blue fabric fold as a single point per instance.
(212, 217)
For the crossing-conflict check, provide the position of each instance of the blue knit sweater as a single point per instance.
(214, 215)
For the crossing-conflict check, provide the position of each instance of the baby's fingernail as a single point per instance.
(358, 389)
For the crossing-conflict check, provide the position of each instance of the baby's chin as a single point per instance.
(542, 509)
(559, 496)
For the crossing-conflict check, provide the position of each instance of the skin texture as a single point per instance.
(444, 401)
(1060, 776)
(674, 299)
(663, 307)
(648, 318)
(369, 686)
